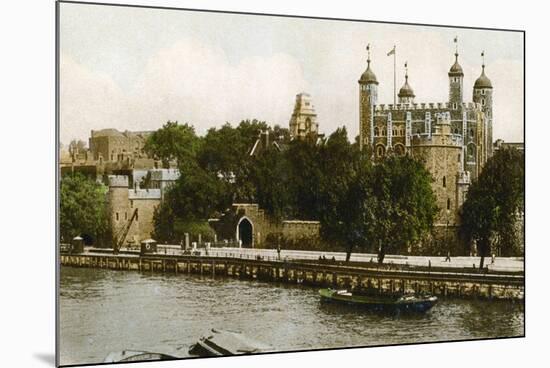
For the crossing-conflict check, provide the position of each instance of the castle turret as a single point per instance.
(406, 93)
(456, 77)
(118, 201)
(303, 122)
(483, 94)
(368, 96)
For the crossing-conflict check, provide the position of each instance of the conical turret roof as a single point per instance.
(368, 76)
(406, 90)
(456, 69)
(483, 82)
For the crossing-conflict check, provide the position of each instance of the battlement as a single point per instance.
(111, 132)
(164, 174)
(144, 194)
(118, 181)
(423, 106)
(245, 206)
(301, 222)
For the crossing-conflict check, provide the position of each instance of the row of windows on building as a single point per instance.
(399, 131)
(455, 105)
(398, 149)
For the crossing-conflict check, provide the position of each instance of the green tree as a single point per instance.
(83, 209)
(173, 142)
(403, 207)
(382, 207)
(196, 196)
(269, 178)
(226, 153)
(304, 171)
(339, 213)
(494, 205)
(281, 134)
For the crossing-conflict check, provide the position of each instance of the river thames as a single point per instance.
(103, 311)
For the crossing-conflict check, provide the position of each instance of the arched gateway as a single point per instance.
(245, 232)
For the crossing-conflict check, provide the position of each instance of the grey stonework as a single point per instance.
(453, 138)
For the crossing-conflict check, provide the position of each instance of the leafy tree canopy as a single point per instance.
(173, 142)
(385, 207)
(494, 203)
(83, 209)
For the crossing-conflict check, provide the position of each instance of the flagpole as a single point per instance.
(394, 77)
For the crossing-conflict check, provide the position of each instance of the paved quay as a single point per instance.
(505, 264)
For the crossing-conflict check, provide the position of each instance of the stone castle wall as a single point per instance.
(125, 202)
(112, 145)
(265, 228)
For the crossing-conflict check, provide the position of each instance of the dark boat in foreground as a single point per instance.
(405, 303)
(135, 356)
(225, 342)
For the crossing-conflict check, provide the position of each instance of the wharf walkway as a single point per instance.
(306, 268)
(501, 264)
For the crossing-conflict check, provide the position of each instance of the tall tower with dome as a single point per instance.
(452, 138)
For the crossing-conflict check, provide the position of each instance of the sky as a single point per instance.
(136, 68)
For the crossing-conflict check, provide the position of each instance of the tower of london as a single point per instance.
(452, 138)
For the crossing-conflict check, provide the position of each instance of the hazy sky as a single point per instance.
(134, 69)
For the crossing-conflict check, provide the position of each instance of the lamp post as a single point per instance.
(447, 232)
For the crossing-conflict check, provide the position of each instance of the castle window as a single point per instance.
(471, 133)
(455, 105)
(399, 149)
(376, 132)
(458, 160)
(394, 132)
(444, 182)
(116, 216)
(482, 102)
(308, 124)
(456, 130)
(448, 204)
(384, 132)
(471, 152)
(418, 131)
(482, 91)
(380, 151)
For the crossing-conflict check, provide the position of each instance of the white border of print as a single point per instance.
(28, 204)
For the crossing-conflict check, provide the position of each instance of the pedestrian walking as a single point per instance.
(448, 257)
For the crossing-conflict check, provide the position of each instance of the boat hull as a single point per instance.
(415, 304)
(136, 356)
(225, 342)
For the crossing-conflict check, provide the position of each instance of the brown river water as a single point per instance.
(103, 311)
